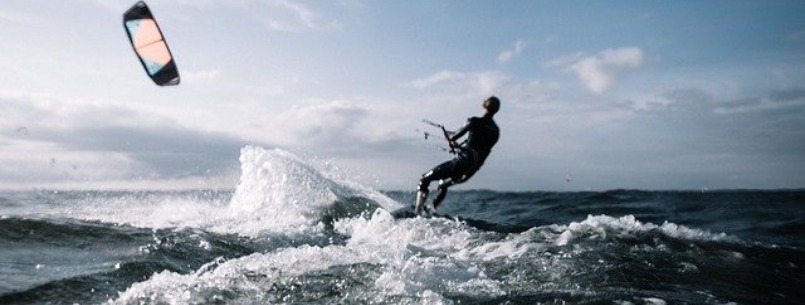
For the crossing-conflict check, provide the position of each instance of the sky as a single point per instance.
(596, 95)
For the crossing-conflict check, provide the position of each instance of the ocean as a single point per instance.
(291, 233)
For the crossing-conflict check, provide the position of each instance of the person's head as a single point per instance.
(492, 105)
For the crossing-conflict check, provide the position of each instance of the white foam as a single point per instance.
(414, 257)
(419, 253)
(279, 181)
(511, 249)
(654, 301)
(603, 226)
(286, 192)
(249, 276)
(418, 260)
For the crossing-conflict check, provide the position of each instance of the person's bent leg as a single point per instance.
(442, 191)
(422, 192)
(421, 196)
(437, 173)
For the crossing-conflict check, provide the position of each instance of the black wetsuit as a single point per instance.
(483, 134)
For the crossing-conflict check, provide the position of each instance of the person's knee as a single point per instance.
(441, 193)
(423, 185)
(443, 185)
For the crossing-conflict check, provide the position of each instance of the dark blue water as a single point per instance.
(295, 235)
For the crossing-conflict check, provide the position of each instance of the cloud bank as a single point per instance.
(56, 139)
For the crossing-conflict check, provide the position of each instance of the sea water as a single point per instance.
(293, 234)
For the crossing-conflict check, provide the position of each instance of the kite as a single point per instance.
(149, 45)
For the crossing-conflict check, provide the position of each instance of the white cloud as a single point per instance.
(508, 55)
(297, 17)
(14, 17)
(776, 101)
(483, 82)
(601, 71)
(329, 121)
(197, 3)
(199, 76)
(439, 77)
(564, 61)
(305, 15)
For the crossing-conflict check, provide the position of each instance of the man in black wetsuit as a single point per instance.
(483, 134)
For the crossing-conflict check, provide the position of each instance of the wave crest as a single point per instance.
(603, 226)
(285, 193)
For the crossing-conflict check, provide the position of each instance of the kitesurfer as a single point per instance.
(482, 134)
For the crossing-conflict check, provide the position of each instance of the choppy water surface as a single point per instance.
(291, 234)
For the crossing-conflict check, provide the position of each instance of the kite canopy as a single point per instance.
(149, 45)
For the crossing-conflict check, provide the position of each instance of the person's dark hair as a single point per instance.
(492, 104)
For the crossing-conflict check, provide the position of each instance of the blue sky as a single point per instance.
(632, 94)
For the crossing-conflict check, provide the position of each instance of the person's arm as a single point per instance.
(461, 132)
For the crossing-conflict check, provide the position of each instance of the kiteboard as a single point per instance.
(406, 213)
(403, 213)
